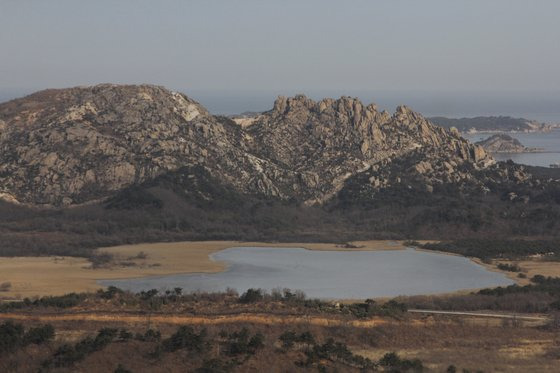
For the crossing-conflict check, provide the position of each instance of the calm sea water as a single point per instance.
(548, 141)
(330, 274)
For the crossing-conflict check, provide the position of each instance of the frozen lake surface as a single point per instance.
(330, 274)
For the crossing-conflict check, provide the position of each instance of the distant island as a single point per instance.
(492, 124)
(502, 143)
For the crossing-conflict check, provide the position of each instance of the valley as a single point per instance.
(290, 186)
(139, 184)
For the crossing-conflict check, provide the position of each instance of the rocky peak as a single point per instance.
(284, 106)
(403, 110)
(345, 106)
(70, 146)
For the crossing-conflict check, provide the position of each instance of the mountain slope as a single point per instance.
(328, 141)
(74, 146)
(64, 147)
(143, 164)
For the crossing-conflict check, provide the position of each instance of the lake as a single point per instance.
(330, 274)
(548, 141)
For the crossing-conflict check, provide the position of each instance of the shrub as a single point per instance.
(99, 260)
(122, 369)
(152, 335)
(67, 355)
(289, 338)
(147, 295)
(10, 336)
(371, 308)
(125, 335)
(336, 351)
(215, 366)
(62, 301)
(509, 267)
(13, 336)
(241, 343)
(251, 296)
(5, 286)
(186, 338)
(109, 293)
(39, 335)
(392, 361)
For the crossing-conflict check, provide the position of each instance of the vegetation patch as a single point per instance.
(498, 249)
(14, 336)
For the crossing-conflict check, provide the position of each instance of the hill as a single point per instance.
(92, 166)
(502, 143)
(73, 146)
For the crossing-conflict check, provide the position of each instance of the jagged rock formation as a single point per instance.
(502, 143)
(72, 146)
(327, 142)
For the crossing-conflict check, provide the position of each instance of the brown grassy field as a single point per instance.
(467, 343)
(495, 343)
(529, 267)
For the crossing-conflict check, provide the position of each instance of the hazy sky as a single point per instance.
(288, 45)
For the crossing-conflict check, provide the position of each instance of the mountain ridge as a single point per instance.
(109, 165)
(65, 147)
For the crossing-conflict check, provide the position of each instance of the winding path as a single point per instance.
(478, 314)
(252, 318)
(195, 320)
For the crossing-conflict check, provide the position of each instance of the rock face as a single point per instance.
(502, 143)
(73, 146)
(327, 142)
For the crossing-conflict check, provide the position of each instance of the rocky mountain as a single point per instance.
(86, 167)
(502, 143)
(70, 146)
(73, 146)
(492, 124)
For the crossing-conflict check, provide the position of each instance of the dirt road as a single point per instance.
(195, 320)
(477, 314)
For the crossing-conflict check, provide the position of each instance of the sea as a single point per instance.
(549, 142)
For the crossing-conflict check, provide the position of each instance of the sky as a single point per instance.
(251, 50)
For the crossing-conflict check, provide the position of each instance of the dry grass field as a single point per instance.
(467, 343)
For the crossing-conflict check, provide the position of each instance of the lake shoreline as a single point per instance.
(31, 276)
(58, 275)
(330, 275)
